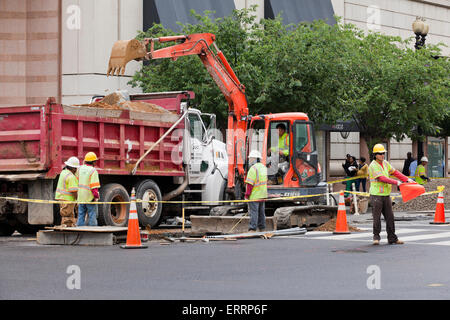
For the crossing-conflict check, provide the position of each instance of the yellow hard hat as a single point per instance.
(90, 156)
(379, 148)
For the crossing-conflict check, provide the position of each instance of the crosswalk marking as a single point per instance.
(366, 235)
(441, 243)
(427, 236)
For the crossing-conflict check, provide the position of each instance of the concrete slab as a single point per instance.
(226, 224)
(52, 237)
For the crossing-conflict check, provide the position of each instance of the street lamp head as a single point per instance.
(418, 26)
(425, 30)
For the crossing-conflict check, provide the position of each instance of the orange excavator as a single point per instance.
(294, 174)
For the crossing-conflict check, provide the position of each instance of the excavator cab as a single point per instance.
(287, 142)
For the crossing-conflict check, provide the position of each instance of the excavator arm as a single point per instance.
(218, 67)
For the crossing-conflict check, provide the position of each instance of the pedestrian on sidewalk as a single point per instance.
(380, 190)
(256, 189)
(66, 190)
(351, 168)
(88, 186)
(407, 163)
(363, 171)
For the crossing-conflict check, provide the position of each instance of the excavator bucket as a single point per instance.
(123, 51)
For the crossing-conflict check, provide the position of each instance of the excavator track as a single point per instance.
(304, 216)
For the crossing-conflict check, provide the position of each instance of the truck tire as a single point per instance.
(113, 214)
(6, 230)
(148, 213)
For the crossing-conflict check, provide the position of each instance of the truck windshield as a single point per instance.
(303, 138)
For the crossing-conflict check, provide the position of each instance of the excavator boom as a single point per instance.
(218, 67)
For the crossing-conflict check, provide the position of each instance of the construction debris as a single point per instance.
(261, 234)
(425, 202)
(330, 225)
(117, 101)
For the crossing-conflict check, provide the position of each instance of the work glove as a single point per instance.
(411, 181)
(399, 183)
(352, 168)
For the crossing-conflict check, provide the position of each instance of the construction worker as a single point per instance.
(66, 190)
(256, 189)
(283, 141)
(88, 185)
(380, 190)
(421, 174)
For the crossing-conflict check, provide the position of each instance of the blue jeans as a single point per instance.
(257, 211)
(91, 210)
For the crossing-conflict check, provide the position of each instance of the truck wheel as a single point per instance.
(6, 230)
(113, 214)
(149, 213)
(28, 229)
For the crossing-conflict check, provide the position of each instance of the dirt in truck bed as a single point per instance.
(116, 101)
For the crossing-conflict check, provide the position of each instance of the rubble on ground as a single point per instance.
(330, 225)
(425, 202)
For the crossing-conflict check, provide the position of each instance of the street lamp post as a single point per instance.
(420, 28)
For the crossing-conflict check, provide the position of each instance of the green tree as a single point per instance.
(331, 72)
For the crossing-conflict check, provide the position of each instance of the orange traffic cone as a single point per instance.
(341, 220)
(439, 216)
(133, 234)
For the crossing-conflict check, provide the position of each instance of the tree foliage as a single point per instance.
(331, 72)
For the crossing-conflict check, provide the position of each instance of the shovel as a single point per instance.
(410, 191)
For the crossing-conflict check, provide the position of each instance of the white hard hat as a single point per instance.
(72, 162)
(255, 154)
(424, 159)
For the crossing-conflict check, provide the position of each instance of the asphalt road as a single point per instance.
(290, 268)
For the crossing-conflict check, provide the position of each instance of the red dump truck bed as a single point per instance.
(37, 139)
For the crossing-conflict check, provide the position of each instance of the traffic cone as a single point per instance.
(439, 216)
(133, 234)
(341, 220)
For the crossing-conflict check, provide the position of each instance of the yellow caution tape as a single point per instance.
(363, 194)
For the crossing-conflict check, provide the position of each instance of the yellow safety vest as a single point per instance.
(420, 171)
(378, 188)
(283, 144)
(67, 185)
(87, 179)
(257, 177)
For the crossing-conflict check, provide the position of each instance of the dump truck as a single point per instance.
(294, 177)
(165, 152)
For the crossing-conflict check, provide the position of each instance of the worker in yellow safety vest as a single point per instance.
(66, 190)
(421, 173)
(283, 141)
(380, 194)
(88, 185)
(256, 189)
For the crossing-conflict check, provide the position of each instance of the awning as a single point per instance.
(296, 11)
(168, 12)
(339, 126)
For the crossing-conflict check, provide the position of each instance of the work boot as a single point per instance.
(397, 242)
(376, 242)
(251, 230)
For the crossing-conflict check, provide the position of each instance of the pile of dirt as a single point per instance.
(99, 104)
(330, 225)
(117, 101)
(425, 202)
